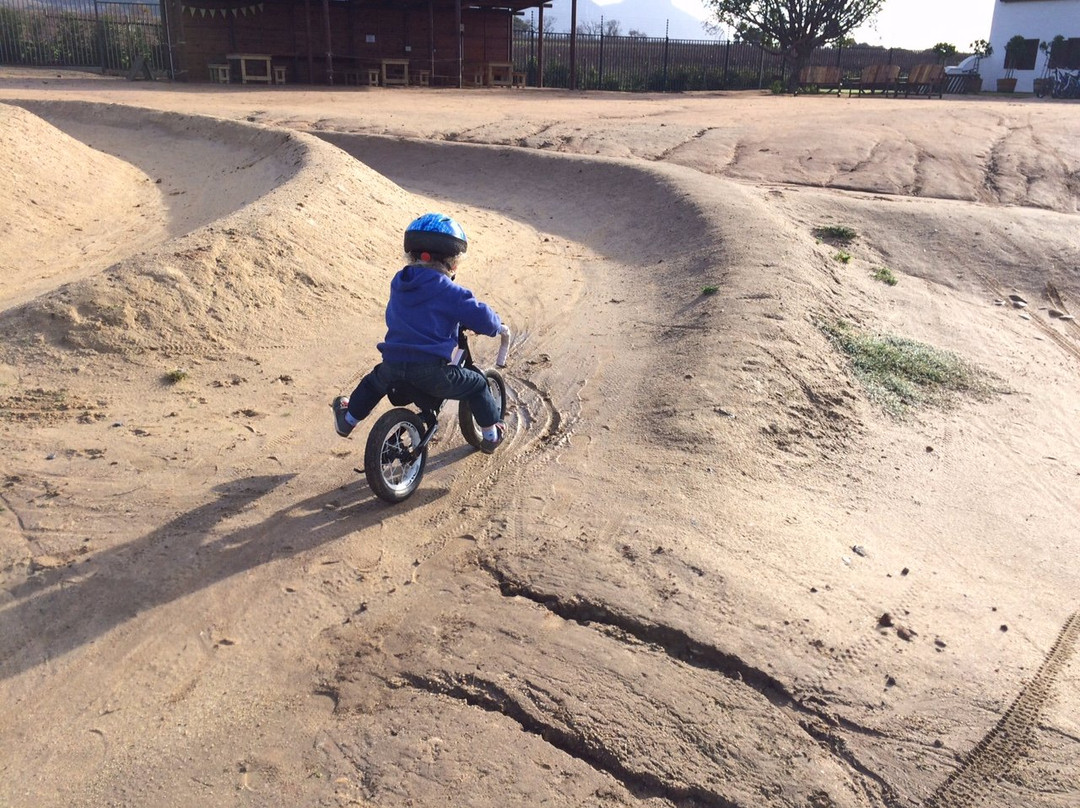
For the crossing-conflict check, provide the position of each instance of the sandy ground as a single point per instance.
(706, 569)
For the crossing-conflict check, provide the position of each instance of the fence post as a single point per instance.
(100, 28)
(761, 69)
(168, 38)
(667, 24)
(573, 44)
(600, 80)
(540, 49)
(727, 60)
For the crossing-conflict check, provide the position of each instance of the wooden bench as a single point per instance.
(876, 78)
(821, 77)
(925, 79)
(219, 74)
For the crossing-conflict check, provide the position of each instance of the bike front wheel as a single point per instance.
(391, 464)
(470, 430)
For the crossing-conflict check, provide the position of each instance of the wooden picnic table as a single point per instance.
(500, 74)
(395, 72)
(245, 59)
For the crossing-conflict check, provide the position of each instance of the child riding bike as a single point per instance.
(423, 316)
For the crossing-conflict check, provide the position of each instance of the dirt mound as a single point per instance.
(294, 226)
(65, 206)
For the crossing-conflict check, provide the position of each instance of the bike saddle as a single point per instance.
(404, 393)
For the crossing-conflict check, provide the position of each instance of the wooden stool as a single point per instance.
(373, 77)
(279, 75)
(423, 78)
(519, 80)
(219, 74)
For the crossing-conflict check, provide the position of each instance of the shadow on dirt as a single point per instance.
(59, 610)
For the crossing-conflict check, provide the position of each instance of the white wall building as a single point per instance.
(1037, 21)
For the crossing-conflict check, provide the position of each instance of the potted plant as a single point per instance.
(1045, 83)
(1013, 48)
(980, 49)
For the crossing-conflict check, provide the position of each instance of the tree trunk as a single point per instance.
(797, 61)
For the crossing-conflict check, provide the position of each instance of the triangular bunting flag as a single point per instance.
(203, 10)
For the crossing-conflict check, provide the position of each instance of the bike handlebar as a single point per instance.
(504, 347)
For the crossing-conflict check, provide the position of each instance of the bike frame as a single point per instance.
(403, 395)
(1066, 84)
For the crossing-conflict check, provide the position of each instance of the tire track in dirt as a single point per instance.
(668, 154)
(1014, 733)
(1066, 344)
(676, 644)
(487, 695)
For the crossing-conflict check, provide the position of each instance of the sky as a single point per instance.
(911, 24)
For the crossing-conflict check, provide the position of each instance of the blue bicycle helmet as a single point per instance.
(436, 234)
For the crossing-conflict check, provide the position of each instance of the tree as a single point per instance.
(601, 26)
(944, 51)
(795, 28)
(521, 24)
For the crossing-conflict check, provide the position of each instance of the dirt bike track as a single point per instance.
(670, 587)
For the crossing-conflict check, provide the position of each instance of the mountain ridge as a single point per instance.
(649, 17)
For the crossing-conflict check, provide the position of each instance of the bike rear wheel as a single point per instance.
(389, 465)
(470, 430)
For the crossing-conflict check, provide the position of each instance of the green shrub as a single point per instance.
(900, 373)
(885, 275)
(835, 234)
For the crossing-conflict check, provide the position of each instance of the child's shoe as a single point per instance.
(340, 406)
(489, 446)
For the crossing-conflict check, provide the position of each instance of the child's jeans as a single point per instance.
(437, 379)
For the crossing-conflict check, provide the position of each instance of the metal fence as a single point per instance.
(658, 64)
(110, 35)
(106, 35)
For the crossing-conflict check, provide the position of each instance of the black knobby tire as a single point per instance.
(391, 439)
(470, 430)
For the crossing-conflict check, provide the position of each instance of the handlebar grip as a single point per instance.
(504, 348)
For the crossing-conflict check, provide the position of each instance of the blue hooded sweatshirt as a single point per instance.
(422, 318)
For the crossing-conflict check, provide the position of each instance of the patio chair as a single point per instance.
(925, 79)
(824, 77)
(876, 78)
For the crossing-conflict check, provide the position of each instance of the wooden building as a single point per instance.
(344, 41)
